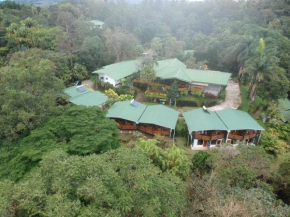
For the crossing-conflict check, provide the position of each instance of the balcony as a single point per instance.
(202, 136)
(236, 136)
(127, 127)
(154, 131)
(250, 136)
(218, 136)
(208, 137)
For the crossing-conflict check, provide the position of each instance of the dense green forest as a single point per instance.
(58, 159)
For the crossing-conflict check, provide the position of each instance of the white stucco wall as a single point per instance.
(212, 89)
(108, 79)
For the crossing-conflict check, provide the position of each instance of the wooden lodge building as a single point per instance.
(208, 129)
(80, 95)
(167, 71)
(153, 120)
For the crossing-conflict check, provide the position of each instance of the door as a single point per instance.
(204, 143)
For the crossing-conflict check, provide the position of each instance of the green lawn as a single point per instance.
(245, 101)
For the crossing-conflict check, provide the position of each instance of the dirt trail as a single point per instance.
(233, 97)
(89, 83)
(140, 94)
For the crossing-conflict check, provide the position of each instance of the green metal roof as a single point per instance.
(97, 22)
(73, 91)
(284, 107)
(126, 111)
(167, 69)
(160, 115)
(209, 77)
(200, 120)
(238, 120)
(91, 98)
(119, 70)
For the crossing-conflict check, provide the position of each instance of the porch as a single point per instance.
(242, 135)
(154, 130)
(160, 85)
(210, 135)
(126, 125)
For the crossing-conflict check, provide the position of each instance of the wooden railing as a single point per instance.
(249, 136)
(236, 136)
(152, 131)
(127, 127)
(207, 137)
(218, 136)
(197, 89)
(201, 136)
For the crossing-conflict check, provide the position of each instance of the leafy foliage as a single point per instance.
(118, 183)
(172, 160)
(77, 130)
(173, 91)
(29, 88)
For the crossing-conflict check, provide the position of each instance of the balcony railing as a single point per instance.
(201, 136)
(127, 127)
(236, 136)
(152, 131)
(208, 137)
(250, 136)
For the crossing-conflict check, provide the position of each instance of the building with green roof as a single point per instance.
(168, 70)
(97, 23)
(208, 129)
(126, 111)
(80, 95)
(75, 91)
(156, 119)
(284, 108)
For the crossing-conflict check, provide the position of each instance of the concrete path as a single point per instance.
(233, 97)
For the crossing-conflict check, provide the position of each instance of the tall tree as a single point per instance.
(28, 90)
(263, 64)
(121, 45)
(148, 74)
(244, 51)
(118, 183)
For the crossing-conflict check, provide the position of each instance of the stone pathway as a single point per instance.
(233, 97)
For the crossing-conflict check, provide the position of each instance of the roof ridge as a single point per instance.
(142, 113)
(222, 120)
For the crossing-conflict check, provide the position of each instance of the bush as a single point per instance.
(201, 163)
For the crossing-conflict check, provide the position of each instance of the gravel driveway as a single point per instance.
(233, 97)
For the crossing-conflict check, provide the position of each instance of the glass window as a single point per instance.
(200, 142)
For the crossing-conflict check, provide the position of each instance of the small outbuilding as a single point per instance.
(81, 95)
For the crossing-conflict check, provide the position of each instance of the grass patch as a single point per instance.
(245, 101)
(181, 142)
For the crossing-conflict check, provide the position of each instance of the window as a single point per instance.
(213, 142)
(233, 141)
(200, 142)
(101, 78)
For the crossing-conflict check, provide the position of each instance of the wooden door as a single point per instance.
(204, 143)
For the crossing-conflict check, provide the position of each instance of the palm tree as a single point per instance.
(243, 51)
(263, 64)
